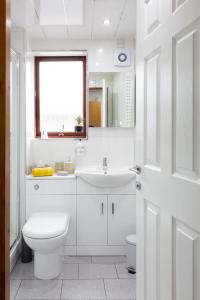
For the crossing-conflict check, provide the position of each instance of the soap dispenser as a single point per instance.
(69, 166)
(80, 148)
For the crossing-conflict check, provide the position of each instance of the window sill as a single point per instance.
(60, 139)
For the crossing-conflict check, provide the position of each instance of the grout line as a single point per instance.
(81, 279)
(117, 271)
(78, 273)
(76, 217)
(107, 220)
(61, 289)
(105, 288)
(15, 297)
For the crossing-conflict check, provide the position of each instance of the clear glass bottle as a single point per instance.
(69, 166)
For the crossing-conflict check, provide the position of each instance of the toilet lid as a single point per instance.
(131, 239)
(46, 225)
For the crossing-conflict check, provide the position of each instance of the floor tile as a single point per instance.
(123, 273)
(119, 289)
(14, 286)
(97, 271)
(77, 259)
(69, 271)
(39, 289)
(83, 289)
(108, 259)
(23, 271)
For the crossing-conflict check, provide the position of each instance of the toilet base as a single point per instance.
(47, 265)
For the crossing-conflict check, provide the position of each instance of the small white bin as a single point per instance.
(131, 251)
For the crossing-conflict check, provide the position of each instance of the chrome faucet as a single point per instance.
(105, 164)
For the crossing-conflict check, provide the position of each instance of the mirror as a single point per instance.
(111, 99)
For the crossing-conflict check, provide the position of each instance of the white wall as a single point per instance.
(105, 59)
(30, 109)
(115, 143)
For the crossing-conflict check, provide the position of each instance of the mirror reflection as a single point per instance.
(111, 99)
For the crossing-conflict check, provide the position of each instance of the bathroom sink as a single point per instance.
(108, 179)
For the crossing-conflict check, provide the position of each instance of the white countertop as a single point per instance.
(54, 177)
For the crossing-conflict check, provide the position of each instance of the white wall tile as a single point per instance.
(105, 59)
(114, 143)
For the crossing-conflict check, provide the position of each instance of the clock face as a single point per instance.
(122, 57)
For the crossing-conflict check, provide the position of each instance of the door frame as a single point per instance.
(5, 24)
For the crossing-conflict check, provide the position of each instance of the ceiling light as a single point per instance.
(106, 22)
(100, 50)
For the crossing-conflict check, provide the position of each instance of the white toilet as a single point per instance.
(45, 234)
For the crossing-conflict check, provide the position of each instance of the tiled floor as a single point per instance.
(82, 278)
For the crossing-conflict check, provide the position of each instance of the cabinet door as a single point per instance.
(121, 218)
(91, 220)
(55, 203)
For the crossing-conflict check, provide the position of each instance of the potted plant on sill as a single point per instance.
(79, 124)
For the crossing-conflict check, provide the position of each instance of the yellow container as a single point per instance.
(40, 172)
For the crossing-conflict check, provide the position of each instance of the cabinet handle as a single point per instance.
(102, 208)
(113, 208)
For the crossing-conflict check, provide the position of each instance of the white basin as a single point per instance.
(110, 179)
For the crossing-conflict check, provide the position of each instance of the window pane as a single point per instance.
(61, 95)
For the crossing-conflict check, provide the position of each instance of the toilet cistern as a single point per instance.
(105, 165)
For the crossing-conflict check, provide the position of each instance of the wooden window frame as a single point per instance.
(59, 135)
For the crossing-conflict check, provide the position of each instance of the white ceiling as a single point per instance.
(122, 15)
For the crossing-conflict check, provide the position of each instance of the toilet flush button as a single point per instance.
(36, 187)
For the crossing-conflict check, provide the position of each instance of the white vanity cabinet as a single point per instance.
(104, 218)
(56, 195)
(100, 218)
(91, 220)
(121, 218)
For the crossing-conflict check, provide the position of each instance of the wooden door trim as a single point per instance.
(4, 149)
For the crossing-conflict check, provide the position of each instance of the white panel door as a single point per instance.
(168, 149)
(121, 218)
(92, 215)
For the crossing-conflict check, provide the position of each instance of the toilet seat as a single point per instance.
(46, 225)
